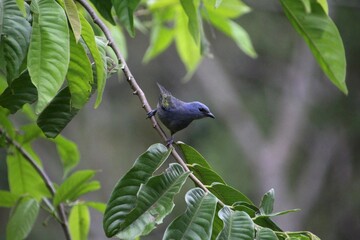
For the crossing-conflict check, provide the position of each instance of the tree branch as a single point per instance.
(137, 90)
(46, 179)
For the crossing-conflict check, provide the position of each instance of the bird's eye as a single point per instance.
(202, 109)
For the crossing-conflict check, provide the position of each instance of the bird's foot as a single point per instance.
(169, 141)
(151, 113)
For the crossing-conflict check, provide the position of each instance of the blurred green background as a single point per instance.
(279, 124)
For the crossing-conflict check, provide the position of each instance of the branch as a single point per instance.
(44, 176)
(137, 90)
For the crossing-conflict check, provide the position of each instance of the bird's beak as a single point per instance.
(210, 115)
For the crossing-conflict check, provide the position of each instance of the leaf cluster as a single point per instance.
(141, 200)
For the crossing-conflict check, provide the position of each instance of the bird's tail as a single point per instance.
(163, 90)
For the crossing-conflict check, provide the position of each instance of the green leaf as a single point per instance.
(227, 194)
(99, 206)
(8, 199)
(301, 236)
(5, 123)
(162, 33)
(104, 8)
(237, 225)
(192, 156)
(48, 56)
(23, 178)
(88, 36)
(57, 114)
(322, 36)
(324, 5)
(123, 197)
(22, 219)
(14, 38)
(187, 49)
(266, 234)
(68, 152)
(31, 132)
(100, 83)
(124, 9)
(154, 202)
(73, 16)
(277, 213)
(234, 31)
(267, 202)
(227, 9)
(79, 222)
(73, 186)
(196, 222)
(218, 3)
(19, 92)
(192, 14)
(21, 5)
(205, 175)
(79, 75)
(217, 225)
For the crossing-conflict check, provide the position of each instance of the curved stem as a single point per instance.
(137, 90)
(46, 179)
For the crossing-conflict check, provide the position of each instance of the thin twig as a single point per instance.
(137, 90)
(44, 176)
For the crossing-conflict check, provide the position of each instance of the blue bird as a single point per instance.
(176, 114)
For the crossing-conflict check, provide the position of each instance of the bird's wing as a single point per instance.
(166, 101)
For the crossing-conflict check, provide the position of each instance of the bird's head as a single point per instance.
(199, 110)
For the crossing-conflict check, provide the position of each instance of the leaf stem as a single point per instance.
(137, 90)
(60, 209)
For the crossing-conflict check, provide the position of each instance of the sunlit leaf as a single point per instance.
(22, 219)
(227, 9)
(8, 199)
(73, 186)
(79, 222)
(124, 9)
(48, 56)
(162, 33)
(196, 222)
(322, 36)
(23, 178)
(73, 16)
(88, 36)
(68, 152)
(100, 83)
(79, 75)
(192, 14)
(236, 32)
(99, 206)
(186, 47)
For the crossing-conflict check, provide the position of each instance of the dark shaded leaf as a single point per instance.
(57, 114)
(19, 92)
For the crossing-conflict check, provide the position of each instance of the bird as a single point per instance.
(176, 114)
